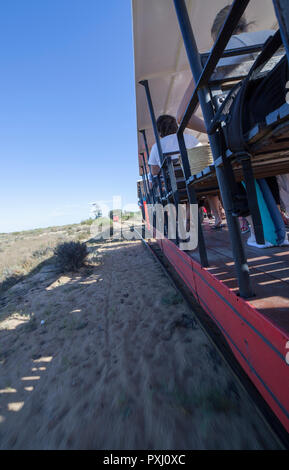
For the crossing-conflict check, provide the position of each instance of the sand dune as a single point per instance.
(102, 360)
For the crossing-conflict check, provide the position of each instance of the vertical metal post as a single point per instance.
(145, 187)
(241, 265)
(145, 84)
(143, 132)
(282, 13)
(193, 200)
(145, 177)
(140, 195)
(159, 147)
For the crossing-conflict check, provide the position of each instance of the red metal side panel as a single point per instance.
(258, 345)
(178, 260)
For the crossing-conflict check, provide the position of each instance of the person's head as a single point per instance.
(166, 125)
(220, 20)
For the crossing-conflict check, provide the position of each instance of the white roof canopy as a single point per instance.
(159, 52)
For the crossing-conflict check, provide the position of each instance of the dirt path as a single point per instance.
(112, 367)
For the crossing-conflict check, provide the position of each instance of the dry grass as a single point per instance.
(22, 252)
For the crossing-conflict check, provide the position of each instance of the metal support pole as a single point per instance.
(141, 202)
(158, 143)
(145, 174)
(145, 84)
(241, 265)
(282, 13)
(159, 184)
(143, 132)
(193, 200)
(145, 188)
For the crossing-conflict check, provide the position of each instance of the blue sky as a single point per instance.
(67, 109)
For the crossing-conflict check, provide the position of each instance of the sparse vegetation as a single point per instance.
(23, 252)
(103, 221)
(70, 256)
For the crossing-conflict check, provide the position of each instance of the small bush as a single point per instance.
(70, 256)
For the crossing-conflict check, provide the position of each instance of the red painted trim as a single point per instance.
(257, 343)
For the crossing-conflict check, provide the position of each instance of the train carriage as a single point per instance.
(245, 290)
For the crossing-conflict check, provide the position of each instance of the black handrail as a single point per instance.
(237, 10)
(201, 93)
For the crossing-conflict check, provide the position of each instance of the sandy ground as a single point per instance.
(117, 364)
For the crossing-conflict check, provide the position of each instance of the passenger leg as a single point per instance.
(252, 239)
(283, 183)
(215, 208)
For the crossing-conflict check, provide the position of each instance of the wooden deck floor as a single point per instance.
(269, 270)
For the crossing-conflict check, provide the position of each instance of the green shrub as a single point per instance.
(70, 256)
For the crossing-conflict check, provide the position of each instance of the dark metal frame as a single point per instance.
(166, 164)
(145, 179)
(157, 191)
(141, 200)
(157, 138)
(163, 160)
(154, 183)
(201, 94)
(282, 14)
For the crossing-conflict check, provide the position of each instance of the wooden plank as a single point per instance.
(269, 269)
(256, 340)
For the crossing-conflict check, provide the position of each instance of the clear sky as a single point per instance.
(67, 109)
